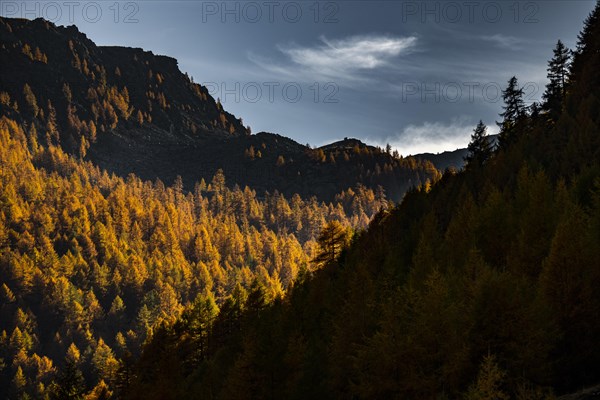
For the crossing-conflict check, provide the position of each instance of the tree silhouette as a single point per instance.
(70, 384)
(558, 71)
(331, 241)
(480, 148)
(514, 111)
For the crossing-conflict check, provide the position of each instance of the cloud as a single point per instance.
(434, 137)
(345, 59)
(354, 53)
(504, 41)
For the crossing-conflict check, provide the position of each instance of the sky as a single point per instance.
(416, 74)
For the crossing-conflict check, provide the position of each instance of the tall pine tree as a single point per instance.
(480, 148)
(586, 58)
(583, 99)
(514, 110)
(558, 71)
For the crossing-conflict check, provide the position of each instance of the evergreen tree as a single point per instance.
(558, 70)
(31, 100)
(19, 383)
(489, 382)
(514, 111)
(480, 148)
(200, 318)
(590, 28)
(586, 58)
(70, 384)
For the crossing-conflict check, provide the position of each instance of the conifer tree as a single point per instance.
(558, 70)
(31, 100)
(586, 58)
(70, 384)
(19, 383)
(489, 382)
(331, 241)
(480, 148)
(51, 125)
(514, 111)
(590, 28)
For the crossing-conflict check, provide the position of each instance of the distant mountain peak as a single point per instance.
(346, 143)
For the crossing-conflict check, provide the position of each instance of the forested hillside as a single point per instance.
(91, 264)
(483, 287)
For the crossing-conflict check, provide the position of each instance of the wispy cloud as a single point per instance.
(346, 59)
(504, 41)
(350, 54)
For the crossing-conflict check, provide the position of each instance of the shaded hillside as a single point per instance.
(450, 159)
(264, 162)
(447, 159)
(130, 111)
(484, 287)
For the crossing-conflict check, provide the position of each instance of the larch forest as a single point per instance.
(481, 282)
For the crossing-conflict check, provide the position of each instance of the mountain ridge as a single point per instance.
(452, 158)
(131, 111)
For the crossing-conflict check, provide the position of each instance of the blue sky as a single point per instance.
(416, 74)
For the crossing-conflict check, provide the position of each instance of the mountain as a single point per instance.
(483, 286)
(130, 111)
(447, 159)
(450, 159)
(117, 88)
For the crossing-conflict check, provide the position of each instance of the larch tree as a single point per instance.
(489, 382)
(331, 241)
(31, 100)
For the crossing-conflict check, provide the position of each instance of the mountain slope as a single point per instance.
(130, 111)
(116, 88)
